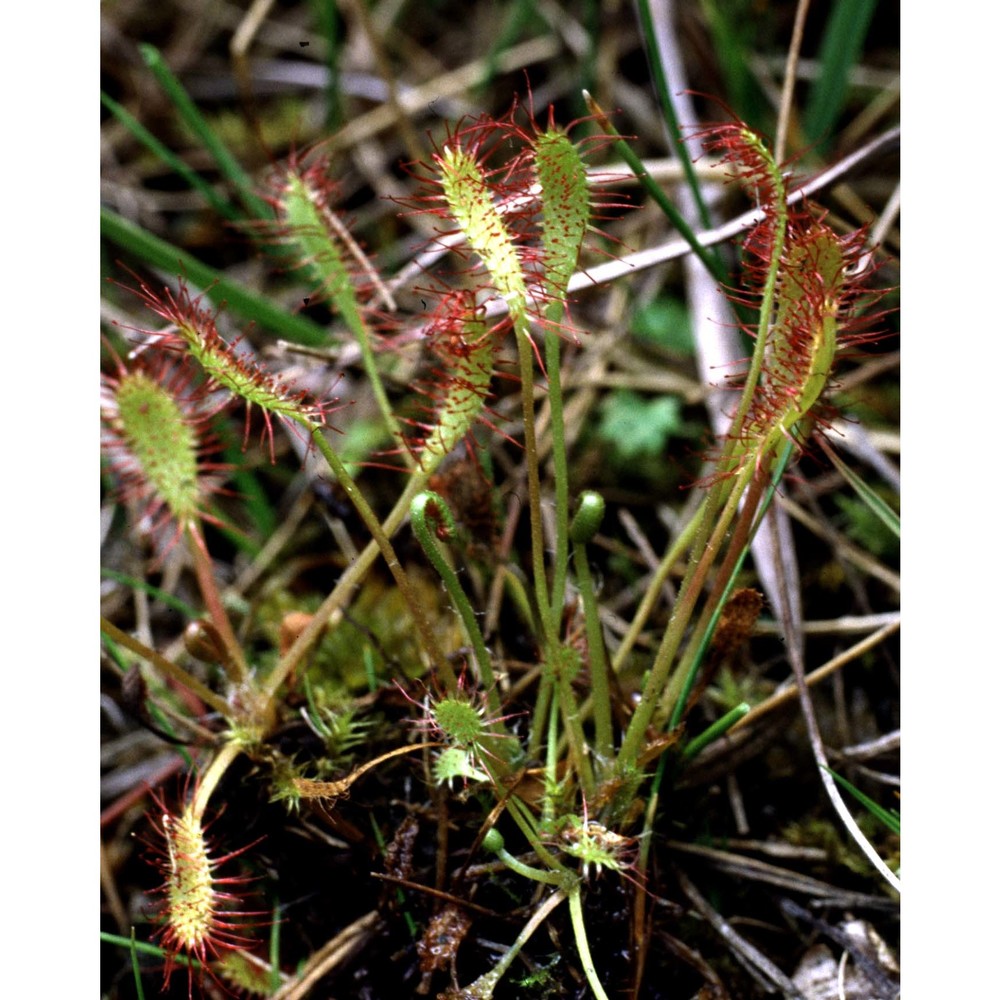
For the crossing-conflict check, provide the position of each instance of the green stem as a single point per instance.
(551, 763)
(573, 726)
(683, 610)
(755, 507)
(582, 944)
(380, 536)
(528, 871)
(652, 594)
(493, 842)
(350, 578)
(234, 662)
(561, 469)
(359, 328)
(168, 669)
(603, 743)
(676, 693)
(526, 359)
(208, 781)
(524, 818)
(484, 986)
(543, 699)
(428, 542)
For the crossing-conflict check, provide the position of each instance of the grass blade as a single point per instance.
(182, 607)
(708, 256)
(165, 256)
(329, 24)
(197, 123)
(171, 159)
(735, 27)
(889, 817)
(842, 41)
(137, 974)
(659, 76)
(874, 502)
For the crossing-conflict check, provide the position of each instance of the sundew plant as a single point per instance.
(424, 672)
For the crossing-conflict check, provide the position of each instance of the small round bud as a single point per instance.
(203, 642)
(588, 517)
(493, 841)
(292, 626)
